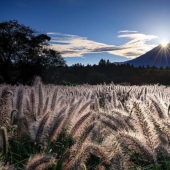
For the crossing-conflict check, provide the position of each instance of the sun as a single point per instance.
(164, 43)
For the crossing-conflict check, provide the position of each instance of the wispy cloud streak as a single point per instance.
(76, 46)
(127, 31)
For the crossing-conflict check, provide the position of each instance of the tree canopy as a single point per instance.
(23, 48)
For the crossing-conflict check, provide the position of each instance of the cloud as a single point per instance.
(137, 37)
(127, 31)
(137, 44)
(76, 46)
(51, 33)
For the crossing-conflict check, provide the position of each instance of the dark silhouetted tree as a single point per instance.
(24, 50)
(102, 62)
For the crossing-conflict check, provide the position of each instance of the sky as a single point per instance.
(85, 31)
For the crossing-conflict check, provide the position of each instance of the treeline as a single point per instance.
(108, 72)
(104, 72)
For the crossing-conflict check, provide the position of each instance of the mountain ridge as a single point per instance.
(158, 57)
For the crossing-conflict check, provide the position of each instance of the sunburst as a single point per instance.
(164, 43)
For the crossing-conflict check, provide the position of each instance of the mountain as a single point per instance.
(158, 57)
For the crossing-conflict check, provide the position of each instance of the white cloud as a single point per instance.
(51, 33)
(137, 44)
(76, 46)
(127, 31)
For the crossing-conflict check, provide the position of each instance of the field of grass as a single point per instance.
(102, 127)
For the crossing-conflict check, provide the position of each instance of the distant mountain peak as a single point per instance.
(158, 57)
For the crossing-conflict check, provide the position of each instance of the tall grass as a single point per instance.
(84, 127)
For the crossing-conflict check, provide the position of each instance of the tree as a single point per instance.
(22, 49)
(102, 62)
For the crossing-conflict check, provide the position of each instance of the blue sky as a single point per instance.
(84, 31)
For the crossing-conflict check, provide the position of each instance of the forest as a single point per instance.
(103, 72)
(106, 72)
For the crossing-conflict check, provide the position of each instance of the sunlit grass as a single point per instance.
(92, 127)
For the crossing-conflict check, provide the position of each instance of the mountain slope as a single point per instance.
(158, 56)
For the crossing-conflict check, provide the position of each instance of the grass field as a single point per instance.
(102, 127)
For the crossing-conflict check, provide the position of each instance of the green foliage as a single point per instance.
(92, 162)
(19, 152)
(60, 147)
(161, 164)
(3, 132)
(137, 160)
